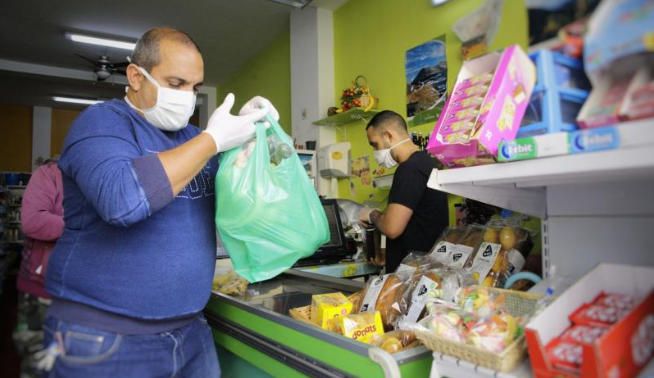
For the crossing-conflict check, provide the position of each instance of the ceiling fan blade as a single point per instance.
(92, 61)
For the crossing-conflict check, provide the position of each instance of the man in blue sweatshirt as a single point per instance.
(133, 269)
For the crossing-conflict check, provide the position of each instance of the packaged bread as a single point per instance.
(356, 299)
(383, 294)
(445, 246)
(464, 253)
(438, 285)
(361, 327)
(456, 246)
(415, 262)
(326, 309)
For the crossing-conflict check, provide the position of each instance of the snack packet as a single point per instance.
(395, 341)
(362, 327)
(327, 308)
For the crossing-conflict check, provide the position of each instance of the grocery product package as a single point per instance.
(485, 326)
(268, 215)
(361, 327)
(328, 309)
(383, 294)
(437, 285)
(487, 104)
(395, 341)
(456, 247)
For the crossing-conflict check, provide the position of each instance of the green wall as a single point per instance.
(268, 75)
(371, 38)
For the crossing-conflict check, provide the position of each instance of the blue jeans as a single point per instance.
(188, 351)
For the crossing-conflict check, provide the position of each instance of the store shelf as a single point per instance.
(448, 366)
(343, 270)
(354, 114)
(520, 186)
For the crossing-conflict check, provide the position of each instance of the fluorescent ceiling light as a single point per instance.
(73, 100)
(294, 3)
(101, 41)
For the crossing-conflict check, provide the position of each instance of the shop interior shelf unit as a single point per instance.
(354, 114)
(596, 206)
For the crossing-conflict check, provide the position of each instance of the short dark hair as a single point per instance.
(146, 53)
(387, 118)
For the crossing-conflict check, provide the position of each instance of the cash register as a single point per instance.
(339, 247)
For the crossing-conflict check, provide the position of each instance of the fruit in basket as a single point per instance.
(507, 238)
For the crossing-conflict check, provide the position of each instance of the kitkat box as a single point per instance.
(486, 107)
(623, 349)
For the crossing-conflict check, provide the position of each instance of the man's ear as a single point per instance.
(389, 135)
(134, 77)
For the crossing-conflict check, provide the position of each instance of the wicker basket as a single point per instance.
(302, 314)
(517, 304)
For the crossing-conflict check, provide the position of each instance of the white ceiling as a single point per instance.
(229, 33)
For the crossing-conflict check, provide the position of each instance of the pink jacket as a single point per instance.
(42, 221)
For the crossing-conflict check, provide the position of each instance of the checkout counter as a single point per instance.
(257, 326)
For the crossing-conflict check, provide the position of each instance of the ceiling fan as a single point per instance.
(103, 67)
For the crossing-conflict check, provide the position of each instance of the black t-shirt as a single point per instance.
(430, 214)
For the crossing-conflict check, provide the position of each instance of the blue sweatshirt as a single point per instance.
(129, 247)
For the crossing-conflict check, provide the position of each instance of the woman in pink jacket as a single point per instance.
(42, 222)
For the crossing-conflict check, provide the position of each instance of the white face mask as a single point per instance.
(173, 109)
(384, 157)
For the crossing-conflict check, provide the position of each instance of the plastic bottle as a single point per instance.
(278, 149)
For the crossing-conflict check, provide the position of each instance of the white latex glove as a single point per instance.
(256, 103)
(229, 131)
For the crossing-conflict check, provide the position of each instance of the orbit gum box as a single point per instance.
(486, 107)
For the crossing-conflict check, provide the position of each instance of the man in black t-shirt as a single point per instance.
(416, 215)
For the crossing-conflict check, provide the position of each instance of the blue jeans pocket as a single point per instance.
(83, 345)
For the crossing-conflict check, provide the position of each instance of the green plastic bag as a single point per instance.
(268, 216)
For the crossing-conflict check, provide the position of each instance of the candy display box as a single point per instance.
(487, 104)
(560, 91)
(624, 349)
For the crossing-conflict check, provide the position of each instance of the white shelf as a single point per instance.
(520, 185)
(448, 366)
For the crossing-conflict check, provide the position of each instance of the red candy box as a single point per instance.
(582, 334)
(596, 315)
(565, 355)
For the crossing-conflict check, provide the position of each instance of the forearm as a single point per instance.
(377, 219)
(184, 162)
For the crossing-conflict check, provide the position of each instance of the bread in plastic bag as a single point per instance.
(383, 294)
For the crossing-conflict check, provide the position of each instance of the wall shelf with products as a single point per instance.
(596, 206)
(354, 114)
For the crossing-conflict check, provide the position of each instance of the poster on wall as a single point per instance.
(361, 169)
(426, 81)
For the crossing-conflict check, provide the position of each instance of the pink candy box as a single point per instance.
(502, 108)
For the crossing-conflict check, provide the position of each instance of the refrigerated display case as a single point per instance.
(257, 328)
